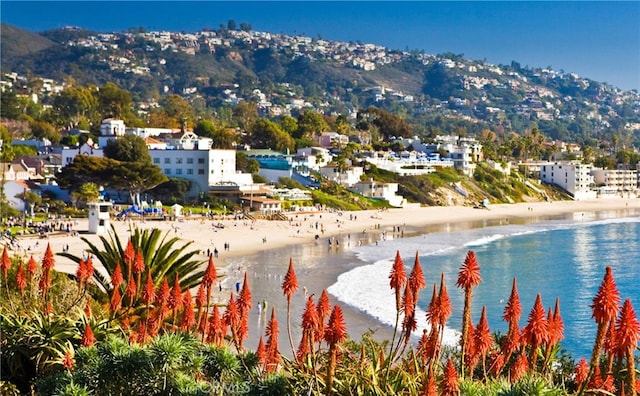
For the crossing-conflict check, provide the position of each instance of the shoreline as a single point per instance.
(263, 248)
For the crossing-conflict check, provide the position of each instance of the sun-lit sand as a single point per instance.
(246, 237)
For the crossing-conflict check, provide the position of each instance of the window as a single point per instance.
(178, 171)
(189, 160)
(156, 160)
(167, 171)
(167, 160)
(178, 160)
(201, 160)
(189, 171)
(201, 171)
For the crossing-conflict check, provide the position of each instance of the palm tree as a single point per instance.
(162, 259)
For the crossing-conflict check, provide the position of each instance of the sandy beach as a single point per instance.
(262, 248)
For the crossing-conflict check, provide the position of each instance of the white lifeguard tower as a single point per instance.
(99, 217)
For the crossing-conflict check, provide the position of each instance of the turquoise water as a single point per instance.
(563, 258)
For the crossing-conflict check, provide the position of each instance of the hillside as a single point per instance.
(444, 91)
(16, 43)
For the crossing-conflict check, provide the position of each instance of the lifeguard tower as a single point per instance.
(99, 217)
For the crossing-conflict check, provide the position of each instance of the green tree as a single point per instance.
(114, 102)
(128, 148)
(310, 125)
(44, 130)
(178, 110)
(10, 106)
(88, 192)
(75, 105)
(245, 114)
(268, 134)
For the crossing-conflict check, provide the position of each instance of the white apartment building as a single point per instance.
(347, 177)
(575, 178)
(203, 168)
(380, 190)
(618, 182)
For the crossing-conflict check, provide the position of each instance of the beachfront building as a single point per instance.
(204, 168)
(616, 182)
(408, 163)
(348, 176)
(573, 177)
(379, 190)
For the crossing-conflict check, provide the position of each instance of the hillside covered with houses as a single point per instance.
(261, 122)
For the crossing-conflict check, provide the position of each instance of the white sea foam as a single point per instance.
(375, 297)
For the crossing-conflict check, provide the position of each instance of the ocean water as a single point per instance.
(562, 258)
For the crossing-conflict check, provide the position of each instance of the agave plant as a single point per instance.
(162, 259)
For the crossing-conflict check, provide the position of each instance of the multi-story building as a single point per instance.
(573, 177)
(616, 182)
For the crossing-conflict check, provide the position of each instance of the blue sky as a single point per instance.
(598, 40)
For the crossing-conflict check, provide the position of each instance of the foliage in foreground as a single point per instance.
(176, 344)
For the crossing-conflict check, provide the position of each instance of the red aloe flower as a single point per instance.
(188, 317)
(628, 333)
(210, 274)
(261, 352)
(48, 261)
(519, 368)
(336, 330)
(445, 309)
(289, 287)
(482, 335)
(148, 293)
(290, 283)
(536, 332)
(310, 319)
(243, 328)
(450, 385)
(213, 323)
(432, 309)
(324, 309)
(497, 363)
(244, 301)
(605, 303)
(21, 279)
(32, 267)
(627, 328)
(201, 298)
(116, 300)
(512, 341)
(468, 277)
(273, 352)
(430, 387)
(129, 254)
(416, 278)
(68, 362)
(513, 310)
(324, 306)
(409, 323)
(5, 264)
(130, 292)
(231, 314)
(398, 278)
(604, 310)
(304, 348)
(175, 300)
(581, 371)
(88, 338)
(556, 325)
(81, 272)
(116, 277)
(138, 263)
